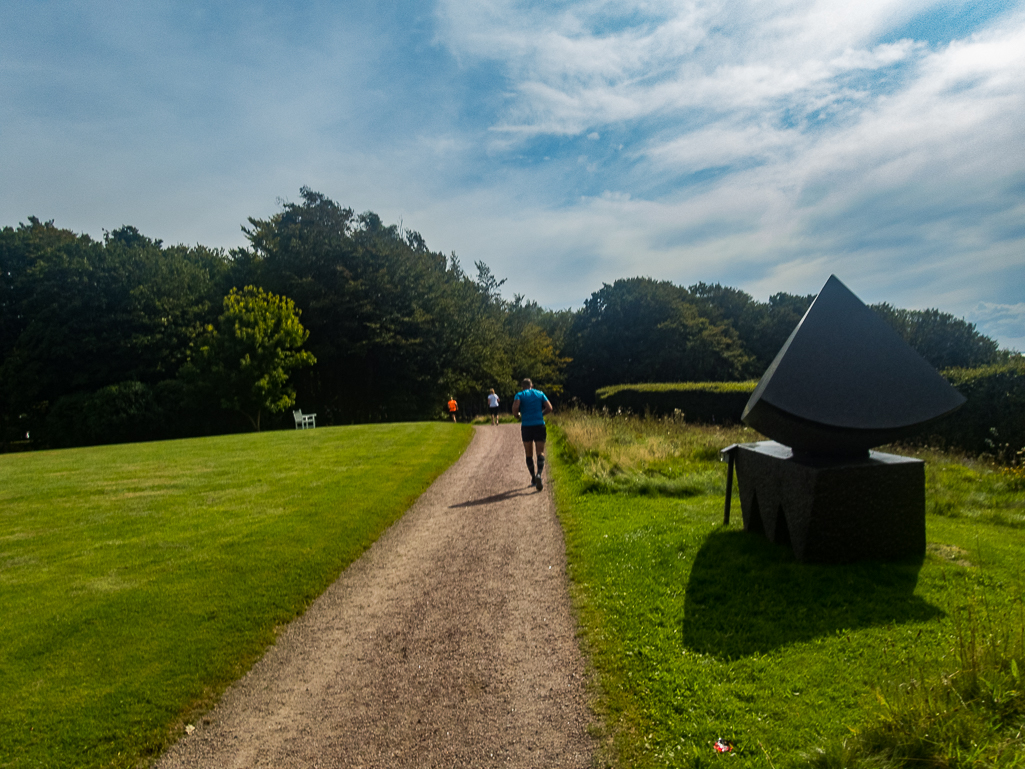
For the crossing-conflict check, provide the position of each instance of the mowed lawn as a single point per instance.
(137, 581)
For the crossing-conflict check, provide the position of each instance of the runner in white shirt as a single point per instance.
(493, 406)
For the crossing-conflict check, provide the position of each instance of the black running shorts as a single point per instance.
(534, 433)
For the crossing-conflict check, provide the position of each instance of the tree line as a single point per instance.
(125, 338)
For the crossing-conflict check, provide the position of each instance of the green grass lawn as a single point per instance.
(137, 581)
(697, 631)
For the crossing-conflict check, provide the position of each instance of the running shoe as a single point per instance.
(538, 483)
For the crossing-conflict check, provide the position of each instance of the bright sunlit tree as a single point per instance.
(246, 360)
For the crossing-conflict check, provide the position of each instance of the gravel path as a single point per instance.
(450, 643)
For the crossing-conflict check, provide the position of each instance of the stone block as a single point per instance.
(833, 509)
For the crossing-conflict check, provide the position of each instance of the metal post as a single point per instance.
(729, 452)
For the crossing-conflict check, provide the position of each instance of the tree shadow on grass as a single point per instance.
(746, 595)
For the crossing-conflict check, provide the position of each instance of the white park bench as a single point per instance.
(302, 421)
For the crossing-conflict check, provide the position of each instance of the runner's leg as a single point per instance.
(528, 450)
(540, 450)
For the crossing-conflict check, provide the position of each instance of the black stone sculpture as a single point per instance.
(832, 509)
(843, 383)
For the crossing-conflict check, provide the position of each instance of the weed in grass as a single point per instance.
(1014, 477)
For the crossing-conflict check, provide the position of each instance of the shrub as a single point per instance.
(119, 413)
(699, 402)
(186, 414)
(130, 412)
(992, 421)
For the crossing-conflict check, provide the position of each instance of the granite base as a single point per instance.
(833, 510)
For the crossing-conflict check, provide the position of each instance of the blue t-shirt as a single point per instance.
(532, 404)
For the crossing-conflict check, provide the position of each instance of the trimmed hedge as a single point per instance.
(993, 420)
(700, 402)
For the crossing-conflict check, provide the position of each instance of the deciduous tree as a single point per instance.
(245, 361)
(939, 337)
(642, 330)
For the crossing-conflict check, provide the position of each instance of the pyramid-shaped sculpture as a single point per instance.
(845, 382)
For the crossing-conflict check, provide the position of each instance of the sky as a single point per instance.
(760, 144)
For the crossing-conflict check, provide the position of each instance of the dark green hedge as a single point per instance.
(130, 412)
(120, 413)
(700, 402)
(993, 419)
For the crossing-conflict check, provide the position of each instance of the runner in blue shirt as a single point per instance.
(532, 406)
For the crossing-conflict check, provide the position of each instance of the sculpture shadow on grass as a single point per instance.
(746, 595)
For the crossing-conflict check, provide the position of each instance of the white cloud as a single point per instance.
(758, 144)
(911, 185)
(567, 73)
(1005, 322)
(722, 144)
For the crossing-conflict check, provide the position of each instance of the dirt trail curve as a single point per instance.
(450, 643)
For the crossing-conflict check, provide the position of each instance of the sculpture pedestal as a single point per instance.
(833, 510)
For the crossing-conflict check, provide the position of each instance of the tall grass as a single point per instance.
(626, 453)
(698, 632)
(972, 488)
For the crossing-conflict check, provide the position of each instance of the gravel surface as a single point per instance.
(450, 643)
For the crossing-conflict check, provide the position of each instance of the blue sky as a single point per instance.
(762, 144)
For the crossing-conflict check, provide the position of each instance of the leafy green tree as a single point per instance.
(535, 355)
(642, 330)
(368, 296)
(78, 315)
(939, 337)
(395, 326)
(942, 339)
(20, 250)
(763, 327)
(246, 359)
(537, 337)
(58, 313)
(783, 312)
(171, 294)
(474, 328)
